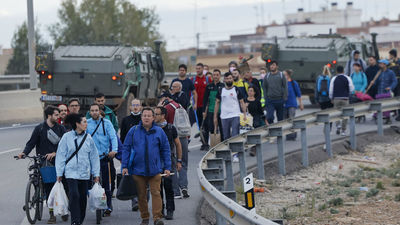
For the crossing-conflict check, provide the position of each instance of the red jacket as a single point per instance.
(171, 111)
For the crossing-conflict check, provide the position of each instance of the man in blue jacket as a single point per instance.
(105, 138)
(146, 154)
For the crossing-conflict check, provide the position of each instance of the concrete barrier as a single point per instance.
(22, 106)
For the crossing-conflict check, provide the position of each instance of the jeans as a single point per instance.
(77, 199)
(289, 113)
(113, 175)
(166, 186)
(229, 123)
(105, 182)
(209, 126)
(272, 106)
(155, 183)
(179, 180)
(341, 103)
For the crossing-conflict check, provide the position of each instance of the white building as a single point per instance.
(342, 18)
(299, 30)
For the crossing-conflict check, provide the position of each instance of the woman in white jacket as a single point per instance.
(77, 158)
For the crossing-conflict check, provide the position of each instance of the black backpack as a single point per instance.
(323, 87)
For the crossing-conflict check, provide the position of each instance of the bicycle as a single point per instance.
(34, 194)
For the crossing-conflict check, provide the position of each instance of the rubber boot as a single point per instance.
(52, 219)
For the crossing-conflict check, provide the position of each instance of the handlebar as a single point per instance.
(30, 157)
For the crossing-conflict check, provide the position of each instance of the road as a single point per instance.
(14, 177)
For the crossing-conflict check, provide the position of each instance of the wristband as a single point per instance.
(179, 160)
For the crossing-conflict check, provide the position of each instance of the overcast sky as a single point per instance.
(215, 20)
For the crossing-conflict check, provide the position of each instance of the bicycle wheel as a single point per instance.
(31, 198)
(98, 216)
(39, 203)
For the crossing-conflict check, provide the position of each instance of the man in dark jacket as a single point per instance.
(371, 71)
(45, 138)
(131, 120)
(210, 97)
(146, 154)
(178, 95)
(341, 86)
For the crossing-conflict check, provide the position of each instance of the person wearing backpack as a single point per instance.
(105, 138)
(294, 96)
(168, 183)
(177, 115)
(44, 139)
(322, 89)
(77, 159)
(275, 92)
(232, 103)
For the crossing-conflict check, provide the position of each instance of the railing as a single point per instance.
(215, 169)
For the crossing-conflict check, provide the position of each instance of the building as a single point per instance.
(5, 56)
(342, 18)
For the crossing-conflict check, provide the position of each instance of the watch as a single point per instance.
(179, 160)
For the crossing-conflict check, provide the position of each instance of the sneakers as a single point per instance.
(170, 215)
(252, 151)
(235, 158)
(338, 131)
(159, 222)
(52, 219)
(204, 148)
(107, 212)
(178, 197)
(145, 222)
(343, 133)
(64, 218)
(185, 193)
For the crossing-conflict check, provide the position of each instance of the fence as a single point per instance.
(215, 169)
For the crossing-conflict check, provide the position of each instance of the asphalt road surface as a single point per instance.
(13, 176)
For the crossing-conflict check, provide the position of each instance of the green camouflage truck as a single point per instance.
(120, 72)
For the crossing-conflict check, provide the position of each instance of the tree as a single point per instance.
(19, 63)
(106, 22)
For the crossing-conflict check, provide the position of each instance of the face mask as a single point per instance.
(231, 69)
(162, 124)
(229, 84)
(205, 72)
(136, 114)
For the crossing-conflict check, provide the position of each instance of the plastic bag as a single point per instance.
(58, 200)
(127, 188)
(97, 198)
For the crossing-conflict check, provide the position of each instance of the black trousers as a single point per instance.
(166, 185)
(77, 199)
(105, 179)
(209, 126)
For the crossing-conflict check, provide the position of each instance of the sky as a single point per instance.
(180, 20)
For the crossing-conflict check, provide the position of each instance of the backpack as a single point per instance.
(269, 73)
(181, 121)
(323, 84)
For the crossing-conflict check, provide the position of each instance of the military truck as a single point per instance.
(307, 56)
(120, 72)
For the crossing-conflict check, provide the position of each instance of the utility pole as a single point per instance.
(197, 44)
(31, 46)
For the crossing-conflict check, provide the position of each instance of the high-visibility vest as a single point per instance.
(262, 99)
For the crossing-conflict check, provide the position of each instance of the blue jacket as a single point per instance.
(385, 80)
(84, 163)
(360, 81)
(150, 151)
(293, 94)
(105, 137)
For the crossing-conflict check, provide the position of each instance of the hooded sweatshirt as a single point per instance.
(359, 80)
(349, 65)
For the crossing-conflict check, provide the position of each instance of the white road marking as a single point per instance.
(20, 126)
(194, 146)
(10, 150)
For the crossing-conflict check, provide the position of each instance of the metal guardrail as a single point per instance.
(215, 168)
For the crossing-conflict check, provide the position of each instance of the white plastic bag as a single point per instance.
(97, 198)
(58, 200)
